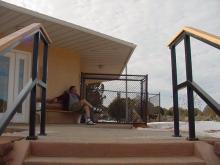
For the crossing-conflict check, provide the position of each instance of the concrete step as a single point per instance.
(217, 148)
(147, 149)
(5, 149)
(190, 160)
(6, 146)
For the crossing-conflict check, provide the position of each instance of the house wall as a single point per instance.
(63, 71)
(63, 68)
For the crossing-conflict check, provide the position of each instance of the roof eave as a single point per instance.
(64, 23)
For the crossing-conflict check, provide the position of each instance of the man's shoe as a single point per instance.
(90, 122)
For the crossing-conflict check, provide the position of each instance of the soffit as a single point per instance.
(99, 53)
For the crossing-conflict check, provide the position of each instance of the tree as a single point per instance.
(169, 112)
(183, 113)
(197, 112)
(117, 109)
(209, 114)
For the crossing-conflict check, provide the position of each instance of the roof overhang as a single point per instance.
(99, 53)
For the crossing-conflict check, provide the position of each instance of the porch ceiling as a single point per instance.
(99, 53)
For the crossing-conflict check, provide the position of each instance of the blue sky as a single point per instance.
(150, 24)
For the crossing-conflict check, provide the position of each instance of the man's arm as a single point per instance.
(57, 99)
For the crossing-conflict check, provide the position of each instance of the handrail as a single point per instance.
(204, 95)
(196, 33)
(191, 86)
(19, 35)
(8, 115)
(42, 84)
(6, 44)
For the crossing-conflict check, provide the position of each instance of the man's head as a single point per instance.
(72, 89)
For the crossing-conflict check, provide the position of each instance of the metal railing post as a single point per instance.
(141, 99)
(159, 118)
(146, 112)
(82, 87)
(32, 119)
(175, 93)
(44, 91)
(190, 98)
(127, 110)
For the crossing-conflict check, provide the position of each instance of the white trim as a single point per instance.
(24, 117)
(11, 78)
(14, 56)
(64, 23)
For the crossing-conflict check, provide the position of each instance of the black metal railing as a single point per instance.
(10, 42)
(191, 86)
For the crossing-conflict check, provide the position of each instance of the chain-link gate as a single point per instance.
(118, 98)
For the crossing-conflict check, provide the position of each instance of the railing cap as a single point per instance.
(43, 30)
(198, 33)
(14, 37)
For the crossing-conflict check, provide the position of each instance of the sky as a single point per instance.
(149, 24)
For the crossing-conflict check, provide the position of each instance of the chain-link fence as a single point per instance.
(154, 109)
(117, 98)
